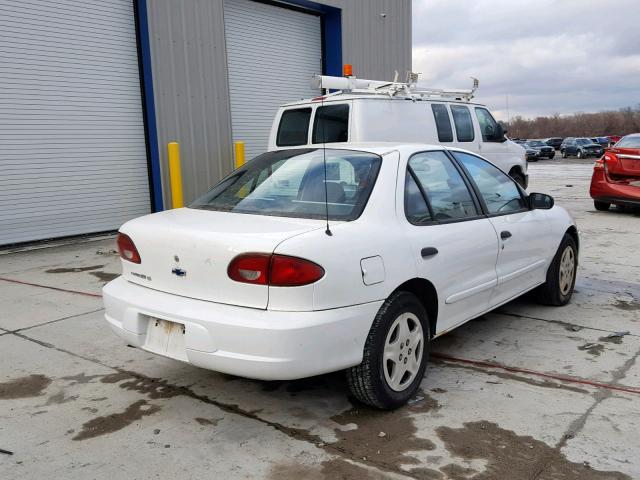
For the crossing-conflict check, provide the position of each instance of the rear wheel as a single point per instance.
(602, 206)
(561, 276)
(395, 354)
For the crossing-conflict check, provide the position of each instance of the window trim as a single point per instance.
(311, 114)
(476, 190)
(470, 188)
(315, 119)
(473, 128)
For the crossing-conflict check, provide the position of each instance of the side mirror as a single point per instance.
(540, 201)
(500, 133)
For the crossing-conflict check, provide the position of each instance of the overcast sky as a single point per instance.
(561, 56)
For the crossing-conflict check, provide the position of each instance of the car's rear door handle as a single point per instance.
(428, 252)
(505, 234)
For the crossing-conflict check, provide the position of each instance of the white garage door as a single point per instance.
(72, 147)
(272, 54)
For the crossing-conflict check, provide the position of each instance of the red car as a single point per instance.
(616, 175)
(614, 138)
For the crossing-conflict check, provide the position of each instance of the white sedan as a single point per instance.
(354, 257)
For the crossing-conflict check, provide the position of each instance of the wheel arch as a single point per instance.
(573, 232)
(426, 293)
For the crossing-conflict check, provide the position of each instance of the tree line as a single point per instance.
(613, 122)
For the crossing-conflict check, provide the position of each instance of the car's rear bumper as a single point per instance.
(248, 342)
(604, 190)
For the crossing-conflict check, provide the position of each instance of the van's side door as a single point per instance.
(454, 245)
(524, 234)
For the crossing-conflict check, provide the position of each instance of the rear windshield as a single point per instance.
(294, 127)
(629, 142)
(331, 124)
(291, 183)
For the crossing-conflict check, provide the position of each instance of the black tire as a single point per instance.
(367, 381)
(579, 154)
(519, 178)
(552, 156)
(550, 293)
(601, 206)
(564, 153)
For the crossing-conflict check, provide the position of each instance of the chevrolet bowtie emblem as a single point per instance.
(179, 272)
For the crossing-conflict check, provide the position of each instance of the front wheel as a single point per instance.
(395, 354)
(519, 178)
(580, 155)
(561, 276)
(564, 153)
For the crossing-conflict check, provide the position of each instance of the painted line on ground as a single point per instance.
(77, 292)
(562, 378)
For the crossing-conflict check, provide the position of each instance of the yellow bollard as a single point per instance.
(175, 175)
(239, 147)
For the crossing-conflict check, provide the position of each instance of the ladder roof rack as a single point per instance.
(409, 89)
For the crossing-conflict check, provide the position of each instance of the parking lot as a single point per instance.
(523, 392)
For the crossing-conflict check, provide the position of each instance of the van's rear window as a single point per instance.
(331, 124)
(293, 183)
(294, 127)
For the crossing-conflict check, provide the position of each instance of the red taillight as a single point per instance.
(250, 268)
(599, 165)
(293, 271)
(127, 249)
(274, 270)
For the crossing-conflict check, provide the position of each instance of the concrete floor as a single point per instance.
(75, 402)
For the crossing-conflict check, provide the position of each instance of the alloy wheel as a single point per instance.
(403, 350)
(567, 270)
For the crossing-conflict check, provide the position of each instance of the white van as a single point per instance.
(373, 111)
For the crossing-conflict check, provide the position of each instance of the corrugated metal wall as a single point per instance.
(190, 77)
(376, 45)
(189, 61)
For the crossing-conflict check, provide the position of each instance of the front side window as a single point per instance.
(464, 124)
(331, 124)
(294, 127)
(499, 191)
(488, 126)
(291, 183)
(446, 192)
(443, 123)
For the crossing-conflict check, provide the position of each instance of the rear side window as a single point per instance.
(294, 127)
(443, 123)
(415, 206)
(462, 121)
(445, 190)
(331, 124)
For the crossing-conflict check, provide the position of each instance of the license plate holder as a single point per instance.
(166, 338)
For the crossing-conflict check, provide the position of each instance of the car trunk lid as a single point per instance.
(187, 251)
(623, 163)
